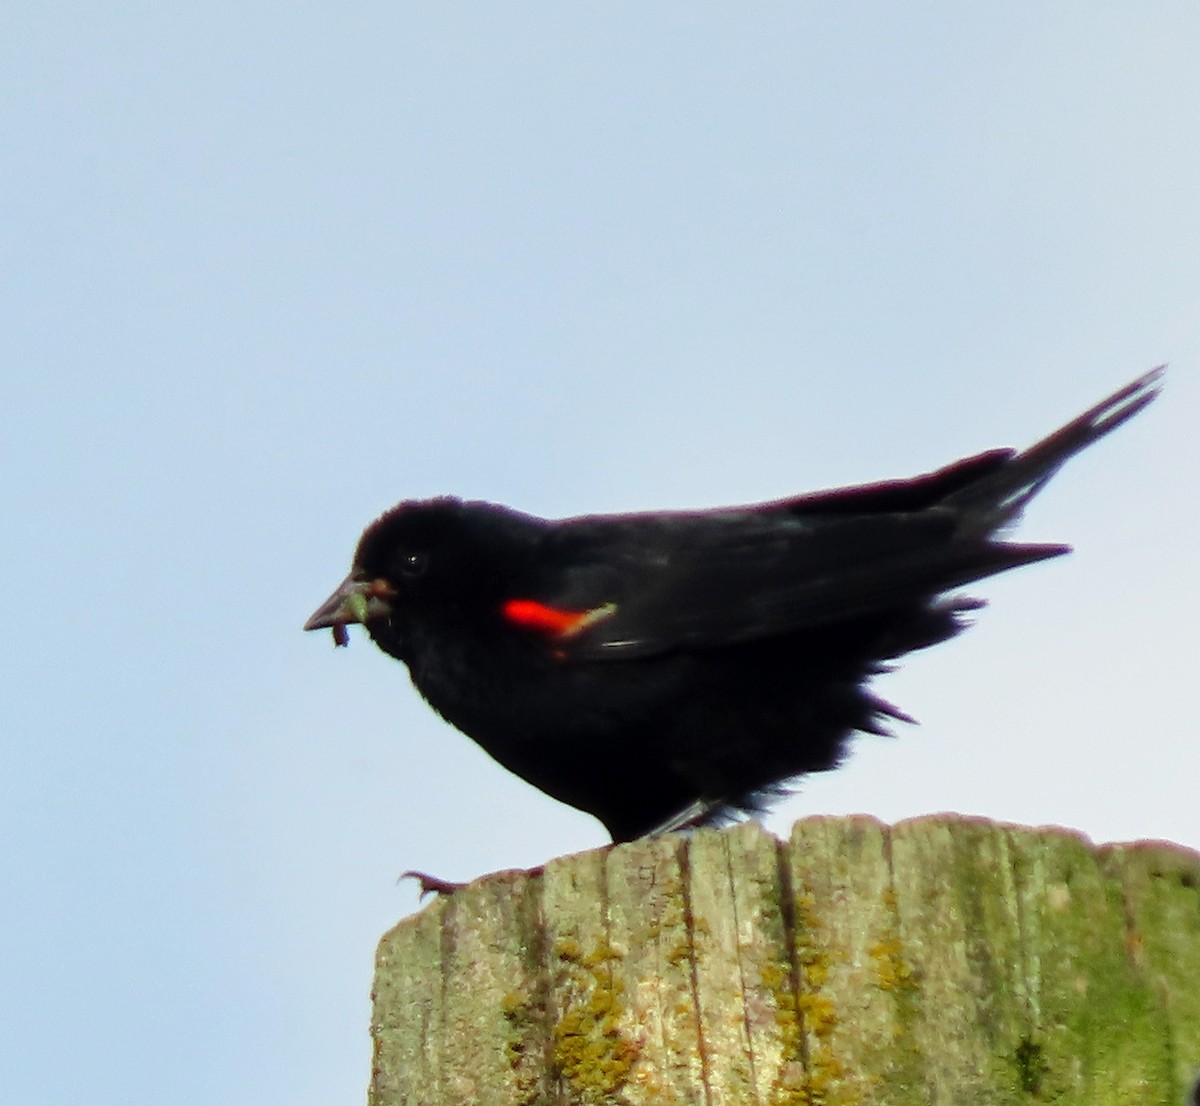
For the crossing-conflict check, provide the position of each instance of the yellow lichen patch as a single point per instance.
(777, 979)
(827, 1085)
(891, 972)
(679, 953)
(819, 1013)
(790, 1086)
(566, 949)
(521, 1011)
(807, 1021)
(601, 955)
(810, 944)
(591, 1052)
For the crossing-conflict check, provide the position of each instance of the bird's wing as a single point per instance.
(647, 584)
(653, 584)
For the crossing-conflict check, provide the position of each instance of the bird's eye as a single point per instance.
(414, 563)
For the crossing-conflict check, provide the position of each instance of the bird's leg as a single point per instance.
(696, 813)
(434, 885)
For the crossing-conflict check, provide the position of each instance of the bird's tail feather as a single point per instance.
(1000, 497)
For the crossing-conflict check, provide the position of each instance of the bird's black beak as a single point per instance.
(355, 600)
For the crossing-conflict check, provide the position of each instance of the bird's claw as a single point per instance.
(431, 885)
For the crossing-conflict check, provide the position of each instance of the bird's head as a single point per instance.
(421, 563)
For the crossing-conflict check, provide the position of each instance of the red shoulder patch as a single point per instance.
(529, 614)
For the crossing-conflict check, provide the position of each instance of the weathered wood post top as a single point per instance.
(939, 961)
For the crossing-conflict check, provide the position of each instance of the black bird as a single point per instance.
(663, 670)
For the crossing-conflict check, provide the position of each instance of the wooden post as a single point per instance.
(940, 961)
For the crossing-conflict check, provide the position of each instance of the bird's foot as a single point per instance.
(431, 885)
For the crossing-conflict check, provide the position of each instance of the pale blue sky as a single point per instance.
(270, 268)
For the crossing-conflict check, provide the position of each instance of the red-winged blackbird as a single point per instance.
(670, 669)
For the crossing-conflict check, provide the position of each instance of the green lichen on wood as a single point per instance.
(1030, 1062)
(1102, 1026)
(1161, 885)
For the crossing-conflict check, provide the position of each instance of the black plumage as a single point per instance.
(672, 668)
